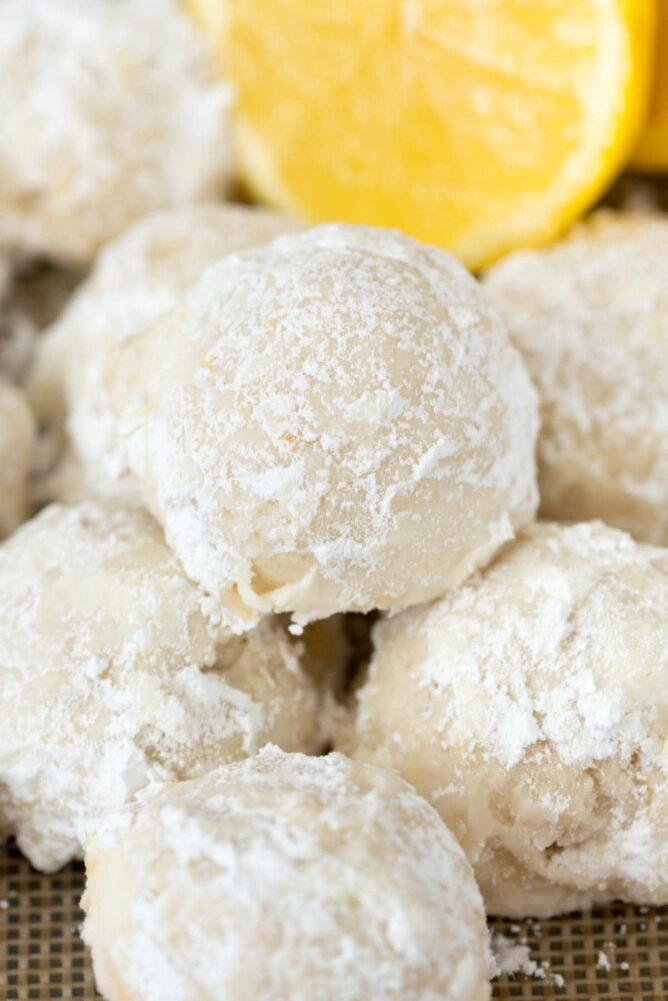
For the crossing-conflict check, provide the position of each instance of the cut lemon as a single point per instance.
(478, 126)
(652, 151)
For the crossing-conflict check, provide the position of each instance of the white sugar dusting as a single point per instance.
(136, 278)
(337, 878)
(529, 706)
(589, 316)
(510, 958)
(111, 109)
(315, 410)
(116, 673)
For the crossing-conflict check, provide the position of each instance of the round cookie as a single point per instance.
(590, 316)
(531, 708)
(16, 441)
(136, 278)
(285, 877)
(334, 422)
(111, 110)
(115, 673)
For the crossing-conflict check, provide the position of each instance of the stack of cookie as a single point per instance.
(240, 444)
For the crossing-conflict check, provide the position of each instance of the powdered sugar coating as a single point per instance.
(111, 109)
(531, 708)
(285, 877)
(115, 673)
(333, 422)
(136, 278)
(590, 317)
(16, 440)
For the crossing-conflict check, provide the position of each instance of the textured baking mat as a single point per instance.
(615, 953)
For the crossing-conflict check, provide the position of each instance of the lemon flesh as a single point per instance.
(480, 127)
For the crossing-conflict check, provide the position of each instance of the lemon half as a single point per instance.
(652, 151)
(479, 126)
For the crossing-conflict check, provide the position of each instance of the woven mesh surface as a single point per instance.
(44, 958)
